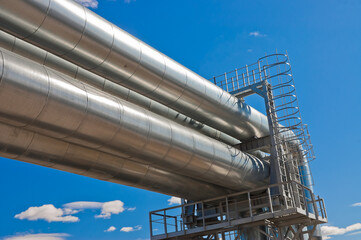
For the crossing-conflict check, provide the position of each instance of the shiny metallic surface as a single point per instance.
(89, 98)
(77, 34)
(27, 146)
(41, 100)
(38, 55)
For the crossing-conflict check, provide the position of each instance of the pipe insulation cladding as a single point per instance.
(38, 99)
(47, 59)
(27, 146)
(78, 35)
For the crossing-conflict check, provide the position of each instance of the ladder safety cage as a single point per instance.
(287, 208)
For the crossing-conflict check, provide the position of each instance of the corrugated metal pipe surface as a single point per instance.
(27, 146)
(41, 56)
(41, 100)
(75, 33)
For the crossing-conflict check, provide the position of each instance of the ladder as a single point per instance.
(291, 150)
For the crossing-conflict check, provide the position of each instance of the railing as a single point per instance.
(222, 210)
(240, 77)
(288, 129)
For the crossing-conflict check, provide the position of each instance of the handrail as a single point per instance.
(212, 212)
(231, 195)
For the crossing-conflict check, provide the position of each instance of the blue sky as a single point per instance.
(210, 37)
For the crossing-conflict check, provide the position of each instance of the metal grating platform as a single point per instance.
(242, 210)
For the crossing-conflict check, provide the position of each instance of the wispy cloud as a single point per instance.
(81, 205)
(110, 229)
(88, 3)
(356, 204)
(107, 208)
(48, 213)
(131, 229)
(129, 1)
(257, 34)
(174, 200)
(354, 233)
(40, 236)
(329, 231)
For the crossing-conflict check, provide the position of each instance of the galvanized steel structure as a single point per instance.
(79, 94)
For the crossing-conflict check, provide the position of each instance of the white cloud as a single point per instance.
(131, 229)
(48, 213)
(129, 1)
(110, 229)
(328, 231)
(68, 211)
(257, 34)
(83, 205)
(40, 236)
(107, 208)
(88, 3)
(356, 204)
(354, 233)
(174, 200)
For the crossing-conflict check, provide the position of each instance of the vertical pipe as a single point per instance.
(203, 217)
(227, 209)
(270, 200)
(250, 204)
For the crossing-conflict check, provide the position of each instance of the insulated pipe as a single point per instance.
(77, 34)
(44, 101)
(41, 56)
(30, 147)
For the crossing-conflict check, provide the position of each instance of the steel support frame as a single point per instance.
(294, 229)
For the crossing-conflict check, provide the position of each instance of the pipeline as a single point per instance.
(41, 56)
(41, 100)
(30, 147)
(78, 35)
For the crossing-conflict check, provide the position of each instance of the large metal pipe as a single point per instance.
(41, 56)
(75, 33)
(44, 101)
(27, 146)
